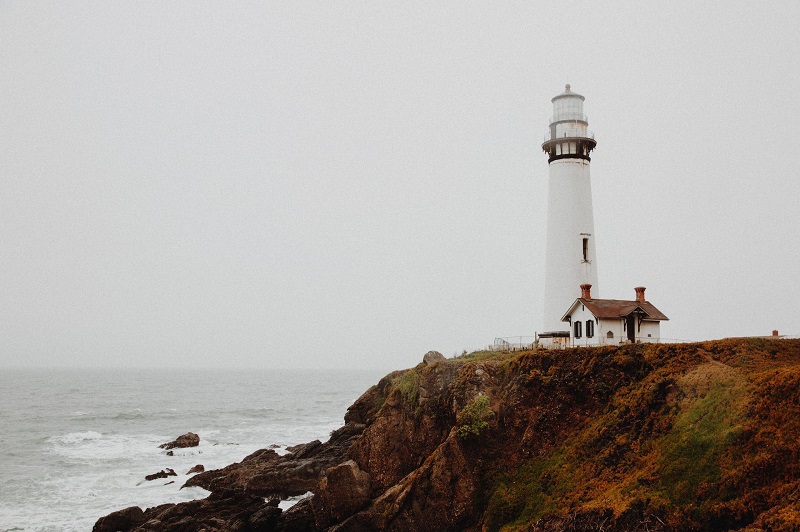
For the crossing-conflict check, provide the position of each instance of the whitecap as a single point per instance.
(291, 501)
(91, 445)
(79, 437)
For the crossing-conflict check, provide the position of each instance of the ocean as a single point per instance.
(76, 444)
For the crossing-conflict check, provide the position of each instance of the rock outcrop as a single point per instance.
(164, 473)
(638, 437)
(229, 510)
(190, 439)
(431, 357)
(126, 519)
(343, 490)
(267, 474)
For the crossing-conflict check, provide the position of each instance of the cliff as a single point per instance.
(640, 437)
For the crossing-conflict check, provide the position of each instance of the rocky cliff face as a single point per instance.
(642, 437)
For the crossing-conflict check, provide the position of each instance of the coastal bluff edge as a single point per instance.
(658, 437)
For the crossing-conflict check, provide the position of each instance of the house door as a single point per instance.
(630, 325)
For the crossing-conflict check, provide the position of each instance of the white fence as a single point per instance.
(522, 343)
(513, 343)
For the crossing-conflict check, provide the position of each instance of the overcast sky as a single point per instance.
(355, 183)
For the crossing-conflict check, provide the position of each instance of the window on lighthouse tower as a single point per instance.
(585, 250)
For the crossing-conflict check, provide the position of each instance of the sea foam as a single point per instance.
(77, 445)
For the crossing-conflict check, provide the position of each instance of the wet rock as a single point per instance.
(431, 357)
(231, 511)
(199, 468)
(440, 493)
(298, 518)
(266, 518)
(267, 474)
(304, 449)
(190, 439)
(366, 407)
(342, 491)
(121, 520)
(164, 473)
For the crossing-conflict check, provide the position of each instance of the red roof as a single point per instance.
(618, 308)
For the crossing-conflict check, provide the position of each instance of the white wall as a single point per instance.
(569, 214)
(647, 332)
(583, 315)
(617, 329)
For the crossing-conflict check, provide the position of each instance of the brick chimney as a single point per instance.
(640, 293)
(586, 291)
(775, 333)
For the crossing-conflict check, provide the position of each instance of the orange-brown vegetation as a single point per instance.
(695, 436)
(701, 436)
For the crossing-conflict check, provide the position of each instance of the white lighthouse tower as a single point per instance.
(570, 223)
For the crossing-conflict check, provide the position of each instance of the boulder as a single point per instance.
(431, 357)
(343, 490)
(190, 439)
(121, 520)
(304, 449)
(199, 468)
(164, 473)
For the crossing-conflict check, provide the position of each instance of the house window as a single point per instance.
(578, 329)
(589, 329)
(610, 334)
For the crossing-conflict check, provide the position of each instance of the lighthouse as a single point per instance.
(570, 254)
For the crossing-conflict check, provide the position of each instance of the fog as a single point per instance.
(352, 184)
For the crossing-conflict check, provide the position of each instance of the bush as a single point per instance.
(408, 384)
(472, 420)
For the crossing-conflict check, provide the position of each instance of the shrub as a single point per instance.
(472, 420)
(408, 384)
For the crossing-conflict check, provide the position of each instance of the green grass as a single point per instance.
(481, 356)
(692, 451)
(534, 491)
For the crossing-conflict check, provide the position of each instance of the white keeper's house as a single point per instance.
(612, 321)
